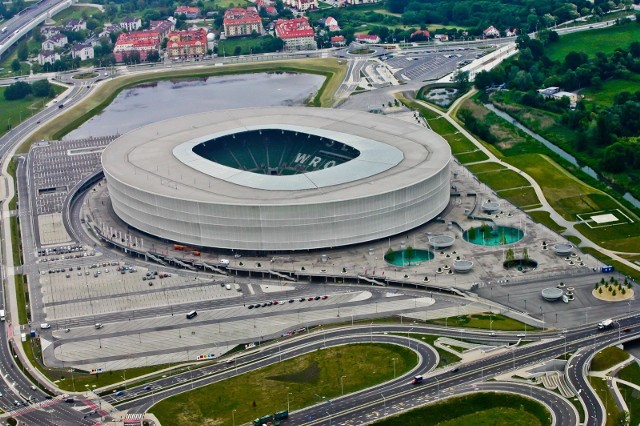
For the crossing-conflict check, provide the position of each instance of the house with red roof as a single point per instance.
(368, 38)
(491, 32)
(337, 41)
(142, 42)
(296, 34)
(242, 22)
(188, 12)
(187, 44)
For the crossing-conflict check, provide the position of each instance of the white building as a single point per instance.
(82, 51)
(48, 57)
(131, 24)
(56, 40)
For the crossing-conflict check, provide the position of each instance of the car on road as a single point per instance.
(118, 393)
(418, 379)
(317, 298)
(33, 387)
(250, 307)
(302, 299)
(291, 300)
(147, 388)
(324, 297)
(627, 330)
(521, 335)
(98, 326)
(70, 400)
(45, 326)
(309, 299)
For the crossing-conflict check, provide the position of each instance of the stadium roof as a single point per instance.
(396, 154)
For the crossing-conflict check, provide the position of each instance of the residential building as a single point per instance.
(83, 51)
(296, 34)
(188, 12)
(55, 41)
(108, 29)
(242, 22)
(187, 44)
(50, 31)
(557, 93)
(48, 57)
(337, 41)
(302, 5)
(441, 37)
(369, 39)
(143, 42)
(75, 25)
(131, 24)
(491, 32)
(163, 27)
(511, 33)
(332, 24)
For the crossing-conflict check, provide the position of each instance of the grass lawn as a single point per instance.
(605, 40)
(225, 4)
(227, 47)
(574, 240)
(631, 373)
(13, 112)
(544, 218)
(485, 167)
(446, 357)
(521, 197)
(334, 70)
(600, 386)
(503, 179)
(309, 379)
(472, 157)
(478, 409)
(604, 96)
(607, 358)
(461, 146)
(73, 12)
(632, 398)
(625, 238)
(21, 298)
(500, 322)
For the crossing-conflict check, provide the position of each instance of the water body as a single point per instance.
(151, 102)
(562, 153)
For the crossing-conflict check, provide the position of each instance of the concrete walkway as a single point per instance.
(546, 206)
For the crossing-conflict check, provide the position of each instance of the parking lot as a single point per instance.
(55, 167)
(428, 66)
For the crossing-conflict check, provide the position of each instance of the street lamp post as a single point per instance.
(288, 393)
(342, 384)
(233, 416)
(394, 367)
(384, 401)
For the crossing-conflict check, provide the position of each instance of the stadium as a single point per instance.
(278, 179)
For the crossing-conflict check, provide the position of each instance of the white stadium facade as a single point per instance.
(278, 179)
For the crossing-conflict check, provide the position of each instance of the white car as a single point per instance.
(45, 326)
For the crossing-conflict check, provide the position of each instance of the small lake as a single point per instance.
(151, 102)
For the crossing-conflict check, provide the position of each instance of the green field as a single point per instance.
(600, 386)
(605, 40)
(503, 179)
(544, 217)
(478, 409)
(247, 44)
(483, 321)
(485, 167)
(446, 357)
(13, 112)
(632, 398)
(607, 358)
(604, 96)
(631, 373)
(521, 197)
(74, 12)
(305, 380)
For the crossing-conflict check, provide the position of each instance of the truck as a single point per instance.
(605, 324)
(271, 419)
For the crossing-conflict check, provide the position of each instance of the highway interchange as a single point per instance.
(386, 399)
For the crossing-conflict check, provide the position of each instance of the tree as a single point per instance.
(509, 255)
(390, 255)
(525, 253)
(42, 88)
(16, 65)
(409, 253)
(18, 90)
(23, 51)
(461, 80)
(237, 51)
(483, 80)
(153, 56)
